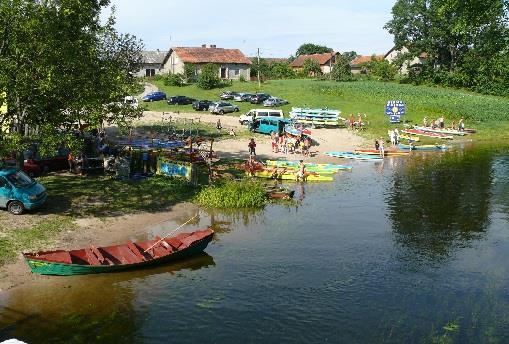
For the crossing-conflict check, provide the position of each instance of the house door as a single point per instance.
(223, 73)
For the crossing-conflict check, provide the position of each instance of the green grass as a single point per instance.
(30, 237)
(233, 194)
(103, 196)
(487, 113)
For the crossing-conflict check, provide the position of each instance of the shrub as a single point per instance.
(189, 72)
(341, 70)
(174, 80)
(209, 78)
(311, 67)
(233, 194)
(242, 78)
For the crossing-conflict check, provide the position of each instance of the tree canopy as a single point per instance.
(310, 48)
(456, 35)
(60, 65)
(311, 67)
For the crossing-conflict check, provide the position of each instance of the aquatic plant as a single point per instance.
(233, 194)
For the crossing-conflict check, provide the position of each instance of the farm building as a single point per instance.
(326, 61)
(393, 54)
(152, 63)
(232, 63)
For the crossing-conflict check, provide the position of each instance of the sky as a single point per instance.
(276, 27)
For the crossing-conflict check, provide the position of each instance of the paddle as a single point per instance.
(173, 231)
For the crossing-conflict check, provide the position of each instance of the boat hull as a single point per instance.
(292, 176)
(63, 269)
(376, 152)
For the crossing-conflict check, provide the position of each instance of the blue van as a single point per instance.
(19, 192)
(266, 125)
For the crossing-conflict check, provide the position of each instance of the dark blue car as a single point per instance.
(153, 96)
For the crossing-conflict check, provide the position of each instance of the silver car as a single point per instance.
(273, 101)
(221, 108)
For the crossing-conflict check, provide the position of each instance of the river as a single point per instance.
(409, 250)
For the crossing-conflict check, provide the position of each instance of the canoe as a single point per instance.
(352, 155)
(427, 134)
(376, 152)
(283, 163)
(131, 255)
(409, 137)
(423, 147)
(310, 177)
(279, 193)
(441, 131)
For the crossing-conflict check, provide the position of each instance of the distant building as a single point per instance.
(326, 61)
(357, 64)
(152, 63)
(232, 63)
(416, 62)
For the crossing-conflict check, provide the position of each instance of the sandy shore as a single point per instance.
(114, 230)
(333, 139)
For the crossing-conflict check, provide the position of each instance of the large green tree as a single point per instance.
(459, 37)
(60, 65)
(310, 48)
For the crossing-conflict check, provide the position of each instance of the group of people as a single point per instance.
(380, 146)
(290, 144)
(439, 123)
(352, 123)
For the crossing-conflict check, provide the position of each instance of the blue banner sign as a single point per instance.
(395, 109)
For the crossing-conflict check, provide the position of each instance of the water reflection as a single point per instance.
(439, 204)
(82, 309)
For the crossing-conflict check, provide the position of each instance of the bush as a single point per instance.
(174, 80)
(242, 78)
(232, 194)
(209, 78)
(341, 70)
(381, 70)
(311, 67)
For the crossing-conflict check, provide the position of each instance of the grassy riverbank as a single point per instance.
(233, 194)
(488, 114)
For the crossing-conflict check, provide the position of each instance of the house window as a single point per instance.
(150, 72)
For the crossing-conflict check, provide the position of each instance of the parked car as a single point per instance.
(227, 95)
(243, 97)
(223, 107)
(180, 100)
(154, 96)
(273, 101)
(131, 101)
(253, 114)
(19, 192)
(200, 105)
(259, 98)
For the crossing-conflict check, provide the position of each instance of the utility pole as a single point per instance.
(258, 54)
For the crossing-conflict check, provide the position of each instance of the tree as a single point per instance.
(310, 48)
(59, 65)
(311, 67)
(350, 55)
(281, 70)
(381, 70)
(209, 78)
(262, 66)
(452, 33)
(341, 70)
(174, 80)
(189, 72)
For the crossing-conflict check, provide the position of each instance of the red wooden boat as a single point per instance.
(427, 134)
(93, 260)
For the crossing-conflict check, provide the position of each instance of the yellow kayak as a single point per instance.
(409, 137)
(310, 177)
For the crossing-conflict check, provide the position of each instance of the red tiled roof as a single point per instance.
(363, 59)
(322, 59)
(210, 55)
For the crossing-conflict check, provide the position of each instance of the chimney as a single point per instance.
(212, 45)
(203, 45)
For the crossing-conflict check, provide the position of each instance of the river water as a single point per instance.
(411, 250)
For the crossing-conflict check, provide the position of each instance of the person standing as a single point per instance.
(391, 137)
(461, 124)
(396, 135)
(252, 147)
(218, 125)
(382, 148)
(70, 160)
(301, 173)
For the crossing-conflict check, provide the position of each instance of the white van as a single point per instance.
(256, 113)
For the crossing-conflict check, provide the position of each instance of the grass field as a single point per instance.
(487, 113)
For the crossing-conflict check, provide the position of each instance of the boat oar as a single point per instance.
(173, 231)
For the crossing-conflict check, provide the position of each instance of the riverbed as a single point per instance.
(408, 250)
